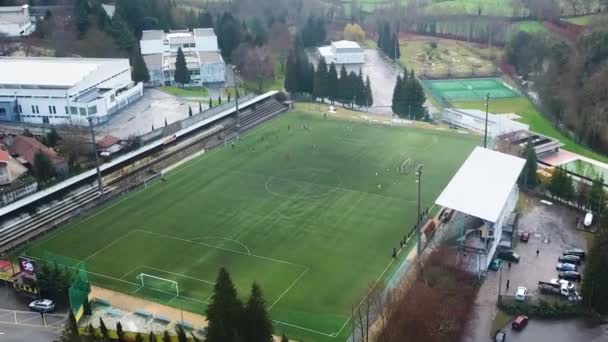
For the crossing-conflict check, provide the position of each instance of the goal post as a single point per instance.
(153, 178)
(164, 285)
(232, 139)
(406, 166)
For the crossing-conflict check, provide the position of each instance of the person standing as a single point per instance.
(507, 284)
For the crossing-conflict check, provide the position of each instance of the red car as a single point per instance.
(524, 237)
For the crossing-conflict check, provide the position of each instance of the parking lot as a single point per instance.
(152, 109)
(551, 230)
(18, 324)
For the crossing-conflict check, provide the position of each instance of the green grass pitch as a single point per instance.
(469, 89)
(298, 210)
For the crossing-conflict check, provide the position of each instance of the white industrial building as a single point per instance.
(64, 90)
(200, 49)
(342, 52)
(483, 193)
(475, 120)
(15, 21)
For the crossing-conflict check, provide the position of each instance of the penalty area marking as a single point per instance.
(226, 239)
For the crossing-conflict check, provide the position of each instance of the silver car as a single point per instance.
(42, 305)
(562, 266)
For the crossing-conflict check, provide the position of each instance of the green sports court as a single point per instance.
(469, 89)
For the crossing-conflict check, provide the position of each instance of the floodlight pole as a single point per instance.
(419, 218)
(236, 98)
(485, 133)
(99, 182)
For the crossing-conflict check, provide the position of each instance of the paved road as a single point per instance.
(19, 333)
(559, 331)
(17, 324)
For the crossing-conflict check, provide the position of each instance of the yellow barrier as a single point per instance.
(25, 288)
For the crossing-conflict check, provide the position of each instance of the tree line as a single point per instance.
(388, 40)
(324, 82)
(229, 320)
(570, 79)
(408, 97)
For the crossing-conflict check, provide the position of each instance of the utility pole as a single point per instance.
(500, 284)
(419, 218)
(236, 99)
(99, 182)
(485, 134)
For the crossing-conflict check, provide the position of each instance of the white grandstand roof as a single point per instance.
(346, 44)
(482, 185)
(48, 71)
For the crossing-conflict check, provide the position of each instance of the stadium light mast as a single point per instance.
(99, 182)
(485, 132)
(236, 98)
(419, 218)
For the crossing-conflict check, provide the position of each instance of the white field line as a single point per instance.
(131, 271)
(306, 329)
(289, 288)
(220, 248)
(104, 248)
(180, 275)
(183, 161)
(222, 238)
(362, 300)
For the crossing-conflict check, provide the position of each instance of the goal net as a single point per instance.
(232, 140)
(158, 284)
(153, 178)
(407, 166)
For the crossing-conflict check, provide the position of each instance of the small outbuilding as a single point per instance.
(342, 52)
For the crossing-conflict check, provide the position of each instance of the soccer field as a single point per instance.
(309, 207)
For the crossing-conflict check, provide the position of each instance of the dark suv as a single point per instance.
(508, 255)
(575, 251)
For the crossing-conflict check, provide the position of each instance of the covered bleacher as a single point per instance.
(483, 193)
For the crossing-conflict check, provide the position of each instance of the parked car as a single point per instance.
(562, 282)
(495, 264)
(570, 259)
(575, 251)
(508, 255)
(570, 275)
(519, 322)
(42, 305)
(588, 220)
(521, 293)
(524, 236)
(562, 266)
(500, 336)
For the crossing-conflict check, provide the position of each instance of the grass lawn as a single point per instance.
(299, 211)
(488, 7)
(584, 20)
(530, 26)
(199, 92)
(538, 123)
(446, 57)
(499, 322)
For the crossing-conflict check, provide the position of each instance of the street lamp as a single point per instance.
(99, 182)
(419, 218)
(485, 134)
(236, 98)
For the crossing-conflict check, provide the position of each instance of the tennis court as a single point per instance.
(469, 89)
